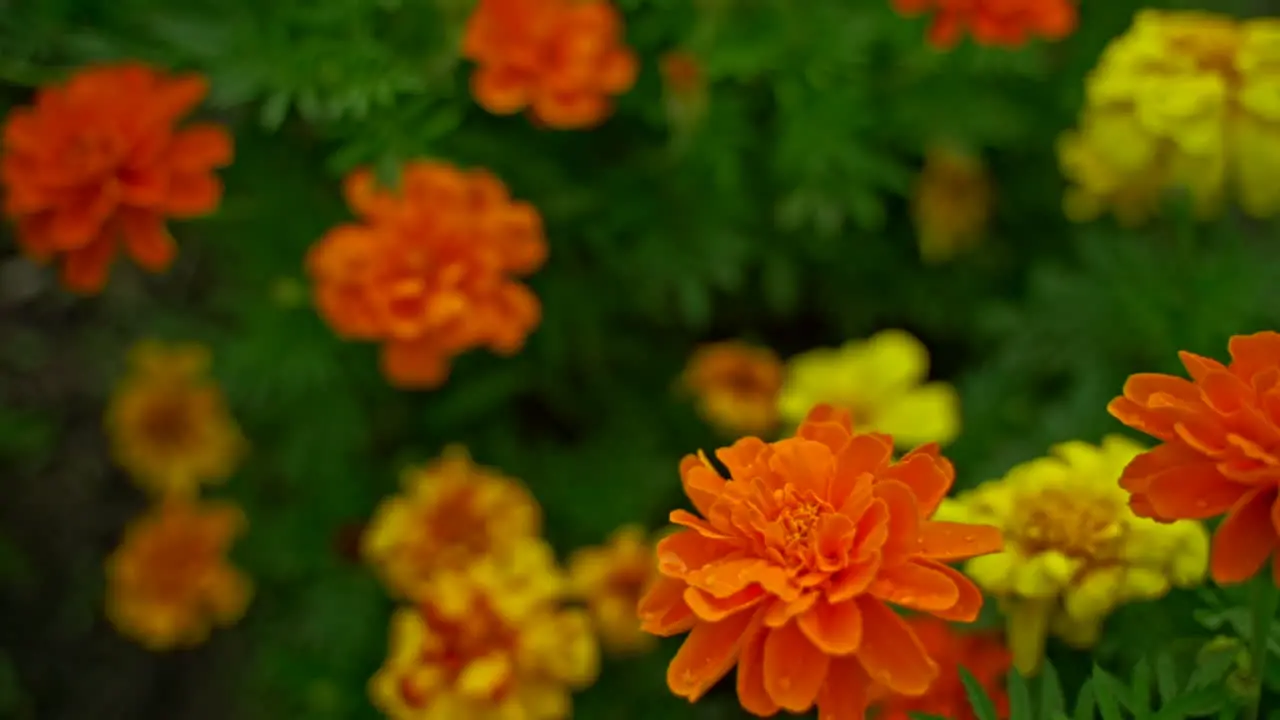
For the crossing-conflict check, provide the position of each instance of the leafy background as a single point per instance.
(781, 217)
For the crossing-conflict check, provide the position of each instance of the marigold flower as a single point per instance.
(684, 87)
(1073, 549)
(610, 579)
(430, 272)
(879, 382)
(169, 583)
(1183, 100)
(168, 421)
(983, 654)
(451, 514)
(951, 204)
(791, 567)
(736, 386)
(1002, 23)
(97, 162)
(561, 59)
(489, 660)
(1219, 432)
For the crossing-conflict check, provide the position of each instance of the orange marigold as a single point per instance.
(1220, 451)
(561, 59)
(430, 271)
(736, 386)
(983, 654)
(791, 569)
(97, 162)
(1005, 23)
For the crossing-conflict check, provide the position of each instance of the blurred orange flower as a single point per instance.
(792, 567)
(168, 421)
(1220, 431)
(169, 582)
(1005, 23)
(951, 203)
(983, 654)
(736, 386)
(561, 59)
(97, 162)
(450, 514)
(610, 579)
(430, 272)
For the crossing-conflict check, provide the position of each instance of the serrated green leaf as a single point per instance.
(1019, 697)
(1166, 678)
(1213, 665)
(983, 707)
(1052, 700)
(1140, 693)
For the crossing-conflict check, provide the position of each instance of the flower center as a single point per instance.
(472, 655)
(167, 422)
(1078, 524)
(457, 532)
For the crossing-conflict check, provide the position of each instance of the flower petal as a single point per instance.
(709, 608)
(958, 541)
(1192, 492)
(662, 609)
(968, 603)
(844, 695)
(794, 670)
(915, 586)
(930, 413)
(1244, 539)
(702, 484)
(921, 471)
(708, 653)
(891, 653)
(833, 629)
(751, 693)
(904, 521)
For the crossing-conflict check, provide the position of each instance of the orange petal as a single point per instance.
(501, 91)
(958, 541)
(193, 194)
(710, 608)
(1251, 354)
(844, 695)
(915, 586)
(833, 629)
(969, 601)
(794, 670)
(927, 479)
(1192, 492)
(85, 270)
(414, 365)
(1199, 367)
(804, 463)
(904, 521)
(662, 609)
(1245, 539)
(831, 434)
(693, 522)
(742, 457)
(833, 539)
(685, 551)
(1161, 457)
(864, 455)
(708, 653)
(780, 612)
(198, 148)
(147, 240)
(702, 484)
(855, 579)
(751, 693)
(891, 653)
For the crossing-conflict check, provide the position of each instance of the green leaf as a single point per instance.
(1019, 698)
(1140, 696)
(1052, 700)
(1085, 703)
(1213, 665)
(1198, 703)
(983, 707)
(1106, 689)
(1166, 678)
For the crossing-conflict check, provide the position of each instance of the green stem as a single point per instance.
(1266, 598)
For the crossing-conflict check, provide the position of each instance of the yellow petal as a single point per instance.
(926, 414)
(1028, 624)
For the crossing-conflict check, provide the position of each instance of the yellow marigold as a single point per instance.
(450, 514)
(1074, 550)
(511, 653)
(951, 204)
(169, 582)
(610, 579)
(168, 421)
(1186, 100)
(736, 386)
(879, 381)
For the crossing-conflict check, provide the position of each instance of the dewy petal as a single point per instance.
(854, 580)
(726, 577)
(780, 612)
(751, 693)
(958, 541)
(662, 610)
(708, 653)
(1192, 492)
(1245, 538)
(904, 521)
(915, 586)
(891, 653)
(833, 629)
(928, 479)
(844, 696)
(969, 600)
(794, 670)
(686, 551)
(709, 608)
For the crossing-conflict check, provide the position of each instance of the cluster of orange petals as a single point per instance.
(792, 568)
(983, 654)
(1003, 23)
(97, 163)
(1220, 451)
(430, 271)
(561, 59)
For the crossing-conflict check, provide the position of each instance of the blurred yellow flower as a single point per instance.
(611, 578)
(736, 386)
(169, 582)
(879, 381)
(450, 514)
(494, 660)
(1074, 550)
(168, 422)
(951, 204)
(1187, 100)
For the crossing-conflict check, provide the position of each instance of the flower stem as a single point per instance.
(1266, 598)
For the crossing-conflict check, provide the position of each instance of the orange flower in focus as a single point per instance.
(1221, 451)
(983, 654)
(169, 581)
(1003, 23)
(97, 162)
(792, 568)
(430, 272)
(610, 579)
(736, 386)
(561, 59)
